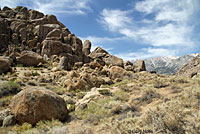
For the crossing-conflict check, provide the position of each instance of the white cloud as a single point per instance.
(114, 20)
(169, 25)
(79, 7)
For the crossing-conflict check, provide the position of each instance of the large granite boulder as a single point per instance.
(140, 66)
(5, 64)
(32, 105)
(30, 58)
(52, 47)
(114, 61)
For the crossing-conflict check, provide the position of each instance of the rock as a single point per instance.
(51, 47)
(118, 72)
(63, 64)
(52, 19)
(93, 94)
(35, 14)
(32, 105)
(152, 72)
(42, 30)
(9, 121)
(76, 83)
(100, 50)
(30, 58)
(3, 114)
(191, 69)
(5, 33)
(129, 68)
(114, 61)
(98, 53)
(94, 65)
(5, 64)
(140, 66)
(56, 33)
(127, 63)
(86, 47)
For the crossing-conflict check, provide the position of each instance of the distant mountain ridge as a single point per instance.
(167, 64)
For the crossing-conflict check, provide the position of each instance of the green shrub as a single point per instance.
(9, 87)
(35, 73)
(20, 65)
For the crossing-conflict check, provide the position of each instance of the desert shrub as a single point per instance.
(149, 95)
(179, 80)
(179, 116)
(35, 73)
(95, 110)
(4, 101)
(105, 92)
(19, 65)
(42, 127)
(9, 87)
(121, 95)
(176, 89)
(160, 84)
(21, 129)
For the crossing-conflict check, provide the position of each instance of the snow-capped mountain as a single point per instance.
(168, 64)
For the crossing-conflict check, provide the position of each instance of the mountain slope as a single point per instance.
(168, 64)
(191, 68)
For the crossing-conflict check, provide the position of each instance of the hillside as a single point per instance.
(51, 83)
(168, 64)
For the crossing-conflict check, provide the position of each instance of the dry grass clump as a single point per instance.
(160, 84)
(95, 111)
(42, 127)
(179, 116)
(148, 96)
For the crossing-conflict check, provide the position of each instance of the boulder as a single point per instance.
(140, 66)
(32, 105)
(33, 14)
(30, 58)
(51, 47)
(3, 114)
(98, 53)
(118, 72)
(9, 121)
(63, 64)
(42, 30)
(52, 19)
(56, 33)
(86, 47)
(114, 61)
(5, 64)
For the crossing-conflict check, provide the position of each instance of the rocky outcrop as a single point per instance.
(140, 66)
(29, 58)
(103, 57)
(5, 64)
(32, 105)
(86, 47)
(118, 72)
(192, 68)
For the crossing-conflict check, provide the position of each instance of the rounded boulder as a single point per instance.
(33, 105)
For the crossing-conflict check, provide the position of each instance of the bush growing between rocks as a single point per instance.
(9, 87)
(95, 110)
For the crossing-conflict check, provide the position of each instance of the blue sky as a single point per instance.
(130, 29)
